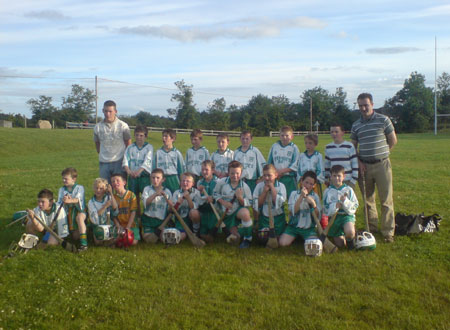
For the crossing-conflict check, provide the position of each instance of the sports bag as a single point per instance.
(416, 224)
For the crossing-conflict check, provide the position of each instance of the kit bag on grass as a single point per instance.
(416, 224)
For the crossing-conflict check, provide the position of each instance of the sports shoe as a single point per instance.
(245, 244)
(389, 239)
(82, 248)
(232, 239)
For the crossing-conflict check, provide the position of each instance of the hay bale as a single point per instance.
(44, 124)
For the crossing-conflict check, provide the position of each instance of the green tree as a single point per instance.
(443, 84)
(411, 108)
(42, 108)
(79, 105)
(185, 114)
(323, 106)
(215, 116)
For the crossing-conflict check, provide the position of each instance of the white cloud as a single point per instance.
(245, 29)
(392, 50)
(48, 14)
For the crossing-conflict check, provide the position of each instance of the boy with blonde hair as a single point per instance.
(187, 200)
(137, 163)
(170, 160)
(277, 192)
(102, 207)
(72, 195)
(284, 156)
(196, 155)
(155, 206)
(222, 156)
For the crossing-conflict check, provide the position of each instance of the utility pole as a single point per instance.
(310, 115)
(96, 100)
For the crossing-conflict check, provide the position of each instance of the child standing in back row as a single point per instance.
(341, 152)
(312, 160)
(284, 156)
(137, 163)
(196, 155)
(170, 160)
(222, 156)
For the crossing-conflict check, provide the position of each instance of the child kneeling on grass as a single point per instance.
(46, 211)
(127, 204)
(234, 195)
(340, 200)
(277, 191)
(102, 207)
(186, 200)
(155, 206)
(301, 203)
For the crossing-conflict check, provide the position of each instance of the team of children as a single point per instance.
(247, 190)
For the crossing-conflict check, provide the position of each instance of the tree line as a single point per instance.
(411, 109)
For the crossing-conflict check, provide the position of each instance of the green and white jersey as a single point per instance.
(209, 187)
(252, 160)
(194, 159)
(221, 160)
(184, 209)
(77, 191)
(311, 163)
(284, 157)
(171, 162)
(278, 207)
(136, 158)
(158, 207)
(225, 191)
(94, 206)
(62, 229)
(303, 218)
(332, 195)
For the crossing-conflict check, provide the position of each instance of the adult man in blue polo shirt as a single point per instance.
(373, 135)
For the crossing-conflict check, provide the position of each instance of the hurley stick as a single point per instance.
(212, 206)
(213, 231)
(328, 246)
(272, 242)
(194, 239)
(366, 215)
(66, 245)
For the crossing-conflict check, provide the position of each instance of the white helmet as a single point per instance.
(365, 241)
(171, 236)
(26, 243)
(313, 247)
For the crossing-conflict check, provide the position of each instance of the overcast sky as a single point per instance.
(231, 49)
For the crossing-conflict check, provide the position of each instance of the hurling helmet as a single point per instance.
(126, 238)
(313, 247)
(365, 241)
(103, 232)
(171, 236)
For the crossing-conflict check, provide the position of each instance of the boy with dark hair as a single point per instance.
(234, 196)
(251, 159)
(137, 163)
(340, 199)
(284, 156)
(222, 156)
(46, 211)
(341, 152)
(72, 195)
(312, 160)
(170, 160)
(301, 203)
(127, 203)
(196, 155)
(155, 206)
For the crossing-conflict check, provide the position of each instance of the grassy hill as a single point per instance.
(400, 285)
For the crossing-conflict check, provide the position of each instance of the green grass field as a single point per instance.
(401, 285)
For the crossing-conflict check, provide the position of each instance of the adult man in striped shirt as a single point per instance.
(375, 135)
